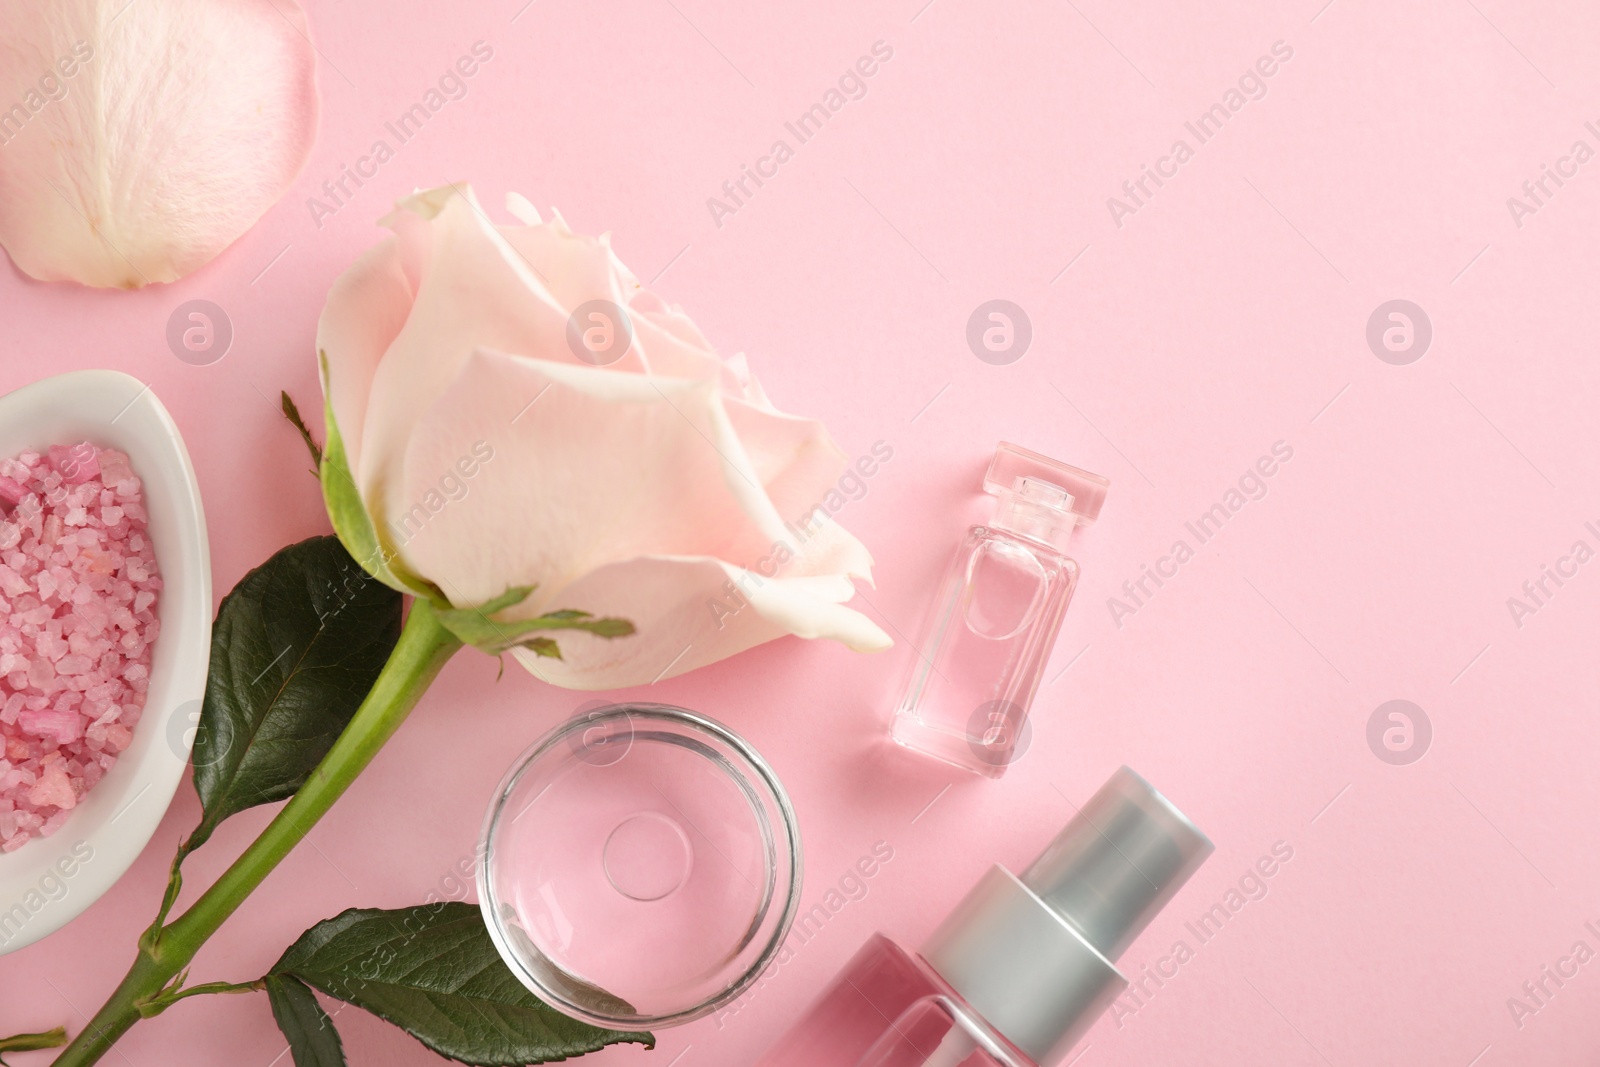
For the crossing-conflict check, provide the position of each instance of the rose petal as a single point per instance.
(577, 270)
(589, 467)
(670, 318)
(665, 352)
(663, 488)
(794, 457)
(367, 307)
(180, 123)
(689, 613)
(574, 268)
(473, 289)
(455, 282)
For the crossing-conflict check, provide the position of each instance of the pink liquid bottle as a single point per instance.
(1023, 966)
(997, 615)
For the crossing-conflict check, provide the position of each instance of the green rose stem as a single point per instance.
(423, 648)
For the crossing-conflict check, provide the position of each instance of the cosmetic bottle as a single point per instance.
(997, 615)
(1023, 966)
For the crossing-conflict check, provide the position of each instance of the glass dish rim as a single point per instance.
(765, 779)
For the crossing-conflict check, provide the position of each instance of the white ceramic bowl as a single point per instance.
(50, 881)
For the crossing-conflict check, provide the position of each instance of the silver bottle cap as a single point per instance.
(1118, 862)
(1034, 956)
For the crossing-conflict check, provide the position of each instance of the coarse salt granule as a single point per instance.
(78, 593)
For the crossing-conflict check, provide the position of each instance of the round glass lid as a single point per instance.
(640, 866)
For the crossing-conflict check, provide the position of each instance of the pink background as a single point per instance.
(1227, 314)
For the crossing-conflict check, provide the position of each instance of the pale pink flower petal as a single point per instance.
(692, 612)
(589, 467)
(366, 309)
(799, 466)
(138, 140)
(627, 496)
(662, 488)
(473, 289)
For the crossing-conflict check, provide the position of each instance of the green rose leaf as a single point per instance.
(543, 646)
(292, 413)
(348, 513)
(32, 1042)
(313, 1042)
(474, 626)
(432, 971)
(296, 647)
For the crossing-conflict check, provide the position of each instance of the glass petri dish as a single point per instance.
(640, 866)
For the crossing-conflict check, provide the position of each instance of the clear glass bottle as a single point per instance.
(997, 615)
(1023, 966)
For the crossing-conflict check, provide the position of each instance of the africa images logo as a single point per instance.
(1251, 85)
(50, 887)
(50, 87)
(452, 85)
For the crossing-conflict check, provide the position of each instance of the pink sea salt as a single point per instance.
(78, 594)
